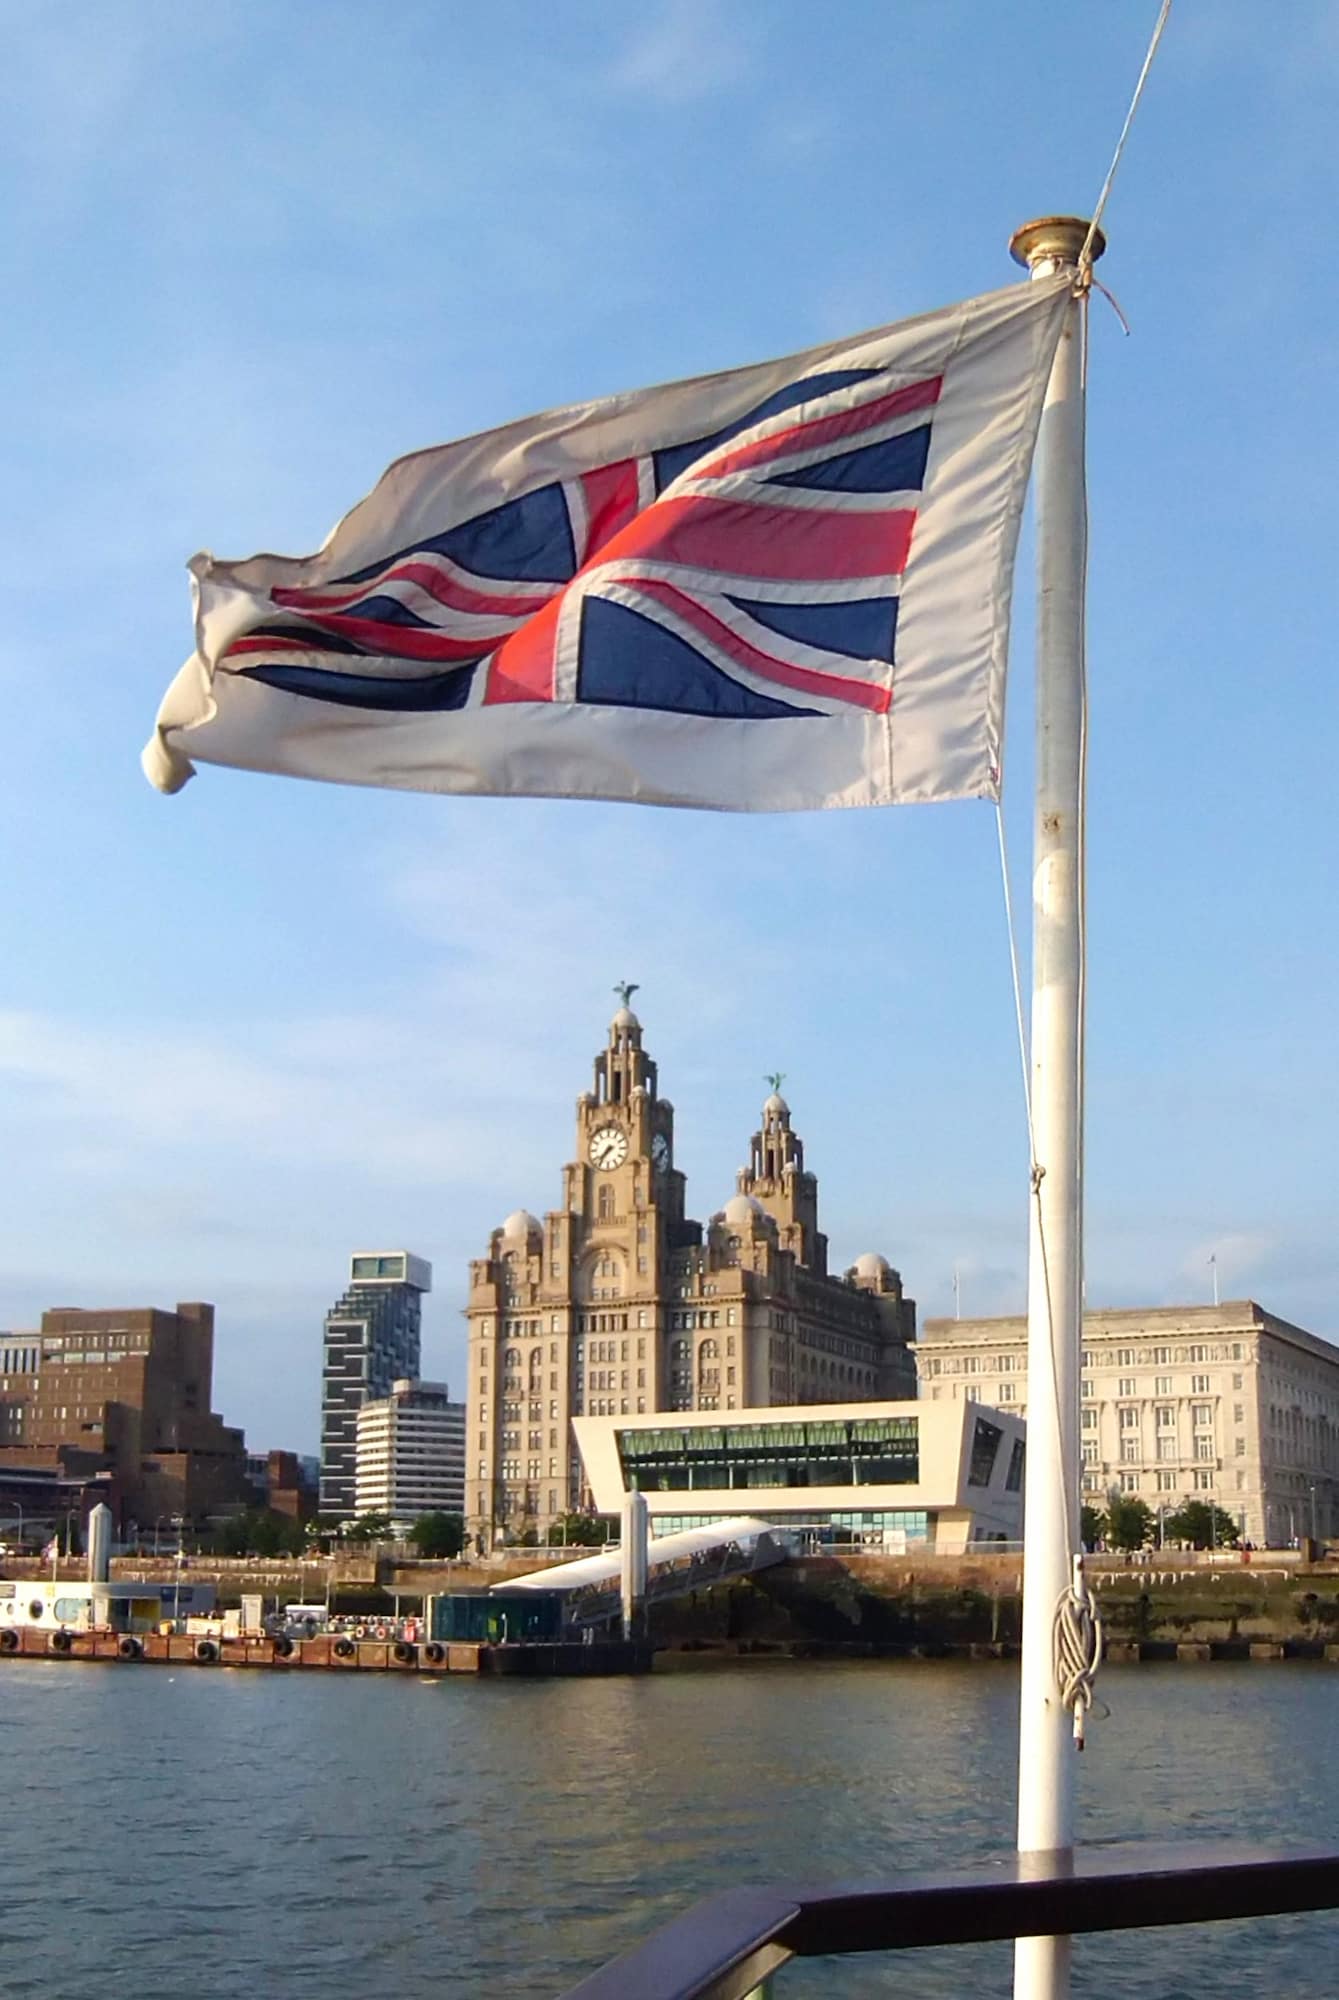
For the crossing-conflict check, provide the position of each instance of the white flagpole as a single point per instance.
(1046, 1746)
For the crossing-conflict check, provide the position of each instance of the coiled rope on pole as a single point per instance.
(1078, 1648)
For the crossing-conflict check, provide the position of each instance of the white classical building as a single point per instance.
(1226, 1404)
(411, 1453)
(897, 1475)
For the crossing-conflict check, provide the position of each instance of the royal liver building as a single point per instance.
(618, 1303)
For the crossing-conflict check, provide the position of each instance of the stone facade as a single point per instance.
(1226, 1404)
(619, 1303)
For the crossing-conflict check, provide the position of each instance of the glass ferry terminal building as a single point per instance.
(902, 1475)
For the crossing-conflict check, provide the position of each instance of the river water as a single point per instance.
(230, 1833)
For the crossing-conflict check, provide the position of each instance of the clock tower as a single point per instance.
(625, 1135)
(618, 1305)
(569, 1317)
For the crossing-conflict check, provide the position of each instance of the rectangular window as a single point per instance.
(1129, 1451)
(1087, 1387)
(1090, 1451)
(1166, 1420)
(1129, 1419)
(985, 1448)
(1203, 1481)
(1238, 1413)
(1199, 1385)
(1166, 1447)
(1129, 1482)
(1239, 1447)
(1201, 1415)
(1204, 1448)
(1125, 1357)
(1163, 1386)
(1089, 1418)
(1166, 1482)
(1007, 1392)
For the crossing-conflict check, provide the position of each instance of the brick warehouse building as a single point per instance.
(124, 1392)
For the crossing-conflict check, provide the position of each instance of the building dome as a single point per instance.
(776, 1106)
(742, 1208)
(872, 1265)
(521, 1223)
(625, 1018)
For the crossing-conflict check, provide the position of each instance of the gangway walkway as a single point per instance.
(675, 1564)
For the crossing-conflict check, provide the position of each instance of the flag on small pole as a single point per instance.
(783, 587)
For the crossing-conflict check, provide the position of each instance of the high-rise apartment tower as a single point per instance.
(411, 1453)
(372, 1340)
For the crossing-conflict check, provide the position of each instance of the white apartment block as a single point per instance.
(1219, 1403)
(411, 1453)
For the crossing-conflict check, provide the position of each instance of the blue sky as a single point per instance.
(253, 253)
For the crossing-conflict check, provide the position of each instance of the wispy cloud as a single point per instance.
(104, 1098)
(688, 49)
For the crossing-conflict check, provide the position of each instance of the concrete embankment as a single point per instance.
(1273, 1607)
(874, 1605)
(337, 1654)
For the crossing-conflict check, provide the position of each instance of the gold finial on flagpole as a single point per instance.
(1055, 239)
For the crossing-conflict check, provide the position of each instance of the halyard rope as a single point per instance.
(1085, 255)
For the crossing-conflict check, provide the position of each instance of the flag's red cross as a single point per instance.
(754, 573)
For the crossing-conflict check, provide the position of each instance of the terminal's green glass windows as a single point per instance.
(857, 1451)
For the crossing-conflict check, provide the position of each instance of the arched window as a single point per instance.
(511, 1360)
(708, 1350)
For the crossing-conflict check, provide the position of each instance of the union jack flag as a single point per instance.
(744, 558)
(709, 578)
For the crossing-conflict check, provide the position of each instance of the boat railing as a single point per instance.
(729, 1946)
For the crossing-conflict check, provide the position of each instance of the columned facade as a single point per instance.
(1227, 1404)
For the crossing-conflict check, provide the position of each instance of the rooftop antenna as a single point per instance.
(1213, 1266)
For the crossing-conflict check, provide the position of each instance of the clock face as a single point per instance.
(608, 1147)
(660, 1152)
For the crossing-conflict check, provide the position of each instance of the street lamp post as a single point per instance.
(1314, 1535)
